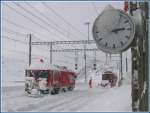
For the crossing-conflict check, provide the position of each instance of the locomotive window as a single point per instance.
(106, 77)
(43, 74)
(27, 73)
(37, 74)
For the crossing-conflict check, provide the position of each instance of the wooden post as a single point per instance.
(140, 60)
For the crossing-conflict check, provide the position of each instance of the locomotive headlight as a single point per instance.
(43, 84)
(34, 91)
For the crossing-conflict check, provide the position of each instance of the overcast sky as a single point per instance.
(48, 21)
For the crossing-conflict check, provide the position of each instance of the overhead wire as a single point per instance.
(7, 37)
(58, 15)
(49, 19)
(19, 41)
(25, 16)
(24, 53)
(17, 33)
(43, 21)
(30, 19)
(22, 27)
(14, 32)
(22, 15)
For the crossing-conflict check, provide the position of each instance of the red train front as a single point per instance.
(109, 79)
(40, 80)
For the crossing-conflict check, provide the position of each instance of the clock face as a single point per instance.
(113, 31)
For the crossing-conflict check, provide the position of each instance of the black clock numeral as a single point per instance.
(127, 37)
(97, 32)
(128, 29)
(106, 44)
(121, 42)
(126, 21)
(100, 39)
(114, 46)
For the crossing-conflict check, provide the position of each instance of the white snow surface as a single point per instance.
(37, 65)
(82, 98)
(40, 66)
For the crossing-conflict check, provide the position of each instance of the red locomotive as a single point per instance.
(109, 79)
(44, 80)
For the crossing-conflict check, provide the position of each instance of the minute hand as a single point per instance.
(118, 29)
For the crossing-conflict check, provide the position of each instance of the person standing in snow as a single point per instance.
(90, 82)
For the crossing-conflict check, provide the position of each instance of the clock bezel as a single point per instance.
(122, 48)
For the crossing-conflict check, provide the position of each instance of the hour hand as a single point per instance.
(118, 29)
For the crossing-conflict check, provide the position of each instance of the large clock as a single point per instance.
(113, 31)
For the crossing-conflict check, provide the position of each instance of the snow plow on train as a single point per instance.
(48, 80)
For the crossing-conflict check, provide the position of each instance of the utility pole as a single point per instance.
(76, 60)
(126, 64)
(121, 64)
(30, 48)
(51, 53)
(94, 65)
(120, 71)
(110, 57)
(106, 58)
(85, 61)
(88, 24)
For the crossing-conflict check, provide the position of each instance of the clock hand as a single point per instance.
(118, 21)
(118, 29)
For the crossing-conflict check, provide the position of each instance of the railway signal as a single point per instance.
(94, 65)
(76, 66)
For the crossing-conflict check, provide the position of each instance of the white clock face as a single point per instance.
(113, 31)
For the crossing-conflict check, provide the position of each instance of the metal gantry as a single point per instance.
(65, 42)
(53, 43)
(73, 50)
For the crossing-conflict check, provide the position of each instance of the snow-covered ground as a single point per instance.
(82, 98)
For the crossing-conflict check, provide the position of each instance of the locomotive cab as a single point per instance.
(36, 81)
